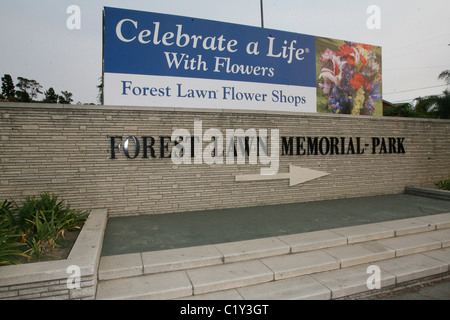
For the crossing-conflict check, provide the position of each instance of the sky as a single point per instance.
(35, 42)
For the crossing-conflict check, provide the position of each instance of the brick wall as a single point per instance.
(50, 290)
(67, 150)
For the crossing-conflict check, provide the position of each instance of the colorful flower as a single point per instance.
(359, 102)
(345, 51)
(357, 81)
(332, 70)
(327, 55)
(350, 78)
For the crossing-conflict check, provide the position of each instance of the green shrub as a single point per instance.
(7, 213)
(10, 249)
(38, 224)
(443, 184)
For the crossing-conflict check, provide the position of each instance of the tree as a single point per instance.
(437, 106)
(445, 75)
(100, 91)
(65, 97)
(23, 96)
(8, 86)
(31, 87)
(50, 96)
(443, 106)
(401, 110)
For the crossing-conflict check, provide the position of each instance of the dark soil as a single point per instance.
(59, 253)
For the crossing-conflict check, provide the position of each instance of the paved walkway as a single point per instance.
(178, 230)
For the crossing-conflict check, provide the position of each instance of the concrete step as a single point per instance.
(113, 267)
(340, 283)
(288, 266)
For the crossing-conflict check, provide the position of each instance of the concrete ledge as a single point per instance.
(408, 226)
(210, 110)
(170, 285)
(301, 288)
(441, 255)
(298, 264)
(412, 267)
(360, 253)
(432, 193)
(348, 281)
(49, 279)
(410, 244)
(313, 240)
(388, 290)
(231, 294)
(442, 236)
(344, 283)
(252, 249)
(120, 266)
(441, 221)
(180, 259)
(366, 232)
(229, 276)
(86, 250)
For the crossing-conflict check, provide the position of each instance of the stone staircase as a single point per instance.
(327, 264)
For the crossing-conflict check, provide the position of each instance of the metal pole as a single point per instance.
(262, 14)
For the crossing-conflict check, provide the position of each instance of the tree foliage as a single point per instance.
(401, 110)
(8, 86)
(28, 90)
(433, 106)
(23, 96)
(100, 91)
(65, 97)
(436, 106)
(445, 75)
(50, 96)
(31, 87)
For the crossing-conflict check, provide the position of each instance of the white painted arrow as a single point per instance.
(296, 176)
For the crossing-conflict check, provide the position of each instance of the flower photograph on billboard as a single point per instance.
(349, 77)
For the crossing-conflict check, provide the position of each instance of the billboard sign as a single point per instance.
(153, 59)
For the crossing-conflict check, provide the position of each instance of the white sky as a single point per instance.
(415, 35)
